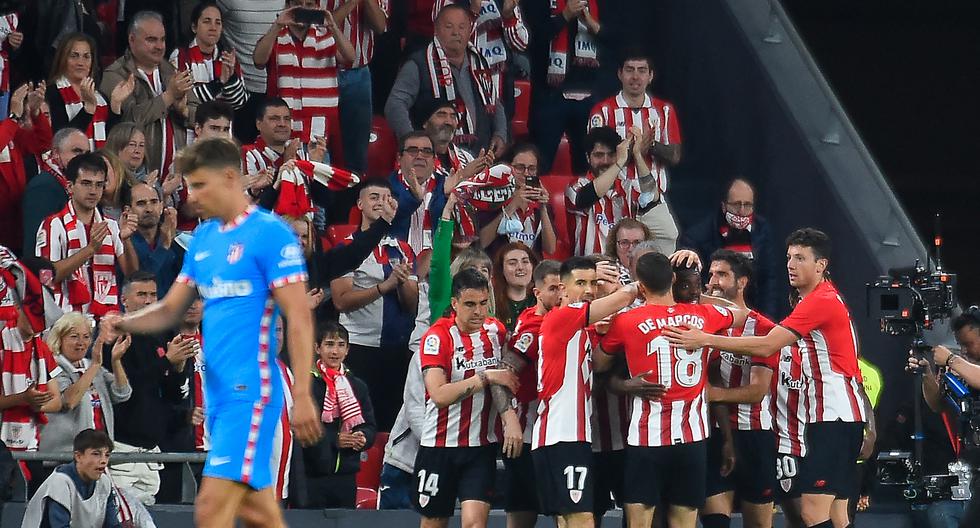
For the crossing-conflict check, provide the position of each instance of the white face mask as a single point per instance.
(509, 226)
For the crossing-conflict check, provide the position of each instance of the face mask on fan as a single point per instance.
(738, 221)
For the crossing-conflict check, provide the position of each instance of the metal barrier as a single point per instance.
(188, 478)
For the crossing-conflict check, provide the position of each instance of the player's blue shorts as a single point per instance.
(242, 434)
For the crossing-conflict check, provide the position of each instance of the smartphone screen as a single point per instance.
(308, 16)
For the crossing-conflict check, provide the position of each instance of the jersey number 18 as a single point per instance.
(687, 369)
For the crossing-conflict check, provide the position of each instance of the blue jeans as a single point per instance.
(396, 488)
(4, 105)
(355, 116)
(945, 514)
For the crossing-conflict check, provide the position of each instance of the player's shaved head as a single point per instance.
(655, 273)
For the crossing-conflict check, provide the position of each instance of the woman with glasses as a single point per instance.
(622, 238)
(526, 218)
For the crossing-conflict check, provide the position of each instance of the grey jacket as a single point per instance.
(62, 426)
(148, 110)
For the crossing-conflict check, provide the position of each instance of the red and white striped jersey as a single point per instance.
(655, 114)
(564, 377)
(828, 346)
(259, 156)
(788, 402)
(736, 371)
(202, 437)
(304, 74)
(610, 420)
(282, 442)
(472, 421)
(356, 28)
(524, 341)
(681, 415)
(592, 225)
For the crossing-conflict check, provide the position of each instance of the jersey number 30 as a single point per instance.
(687, 370)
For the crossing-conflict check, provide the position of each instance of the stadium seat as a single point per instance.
(563, 158)
(337, 233)
(382, 149)
(367, 499)
(556, 185)
(370, 474)
(522, 108)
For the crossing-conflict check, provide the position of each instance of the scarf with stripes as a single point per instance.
(339, 400)
(100, 293)
(444, 86)
(584, 50)
(294, 186)
(96, 131)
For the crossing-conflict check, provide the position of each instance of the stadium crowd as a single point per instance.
(498, 187)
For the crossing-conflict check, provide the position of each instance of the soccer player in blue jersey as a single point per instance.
(247, 265)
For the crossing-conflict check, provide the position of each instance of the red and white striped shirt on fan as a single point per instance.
(592, 225)
(788, 404)
(655, 114)
(202, 437)
(564, 377)
(828, 348)
(736, 371)
(681, 415)
(525, 341)
(472, 421)
(282, 441)
(356, 28)
(304, 73)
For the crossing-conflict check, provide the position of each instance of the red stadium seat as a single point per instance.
(367, 499)
(382, 149)
(556, 186)
(522, 108)
(338, 232)
(563, 158)
(370, 474)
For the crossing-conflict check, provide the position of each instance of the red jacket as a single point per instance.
(17, 143)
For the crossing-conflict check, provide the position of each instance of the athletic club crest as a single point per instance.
(423, 500)
(786, 484)
(235, 252)
(575, 495)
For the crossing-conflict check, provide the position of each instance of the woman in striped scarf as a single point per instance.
(72, 95)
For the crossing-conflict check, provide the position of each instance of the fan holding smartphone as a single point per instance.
(309, 86)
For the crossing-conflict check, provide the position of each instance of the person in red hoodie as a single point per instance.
(24, 133)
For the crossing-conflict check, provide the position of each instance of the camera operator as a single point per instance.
(966, 366)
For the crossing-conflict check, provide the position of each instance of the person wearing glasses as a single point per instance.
(419, 190)
(85, 246)
(621, 241)
(738, 228)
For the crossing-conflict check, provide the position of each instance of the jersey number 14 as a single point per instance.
(687, 366)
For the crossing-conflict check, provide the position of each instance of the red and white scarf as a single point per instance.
(23, 363)
(488, 190)
(420, 223)
(97, 289)
(96, 131)
(584, 48)
(294, 186)
(204, 69)
(154, 80)
(339, 400)
(444, 86)
(202, 437)
(8, 24)
(45, 163)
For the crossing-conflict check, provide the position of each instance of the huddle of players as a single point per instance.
(607, 386)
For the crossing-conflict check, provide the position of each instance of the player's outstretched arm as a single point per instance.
(160, 316)
(291, 299)
(738, 314)
(759, 380)
(599, 309)
(762, 346)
